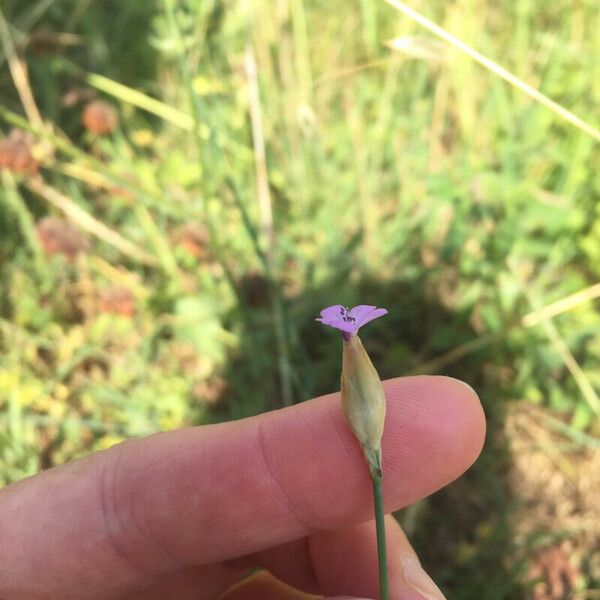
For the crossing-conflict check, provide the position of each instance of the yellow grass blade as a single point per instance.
(563, 305)
(19, 74)
(581, 379)
(496, 69)
(141, 100)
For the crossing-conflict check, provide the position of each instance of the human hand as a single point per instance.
(184, 514)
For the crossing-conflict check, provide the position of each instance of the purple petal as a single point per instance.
(332, 316)
(363, 313)
(332, 312)
(350, 321)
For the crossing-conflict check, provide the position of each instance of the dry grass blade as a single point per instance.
(89, 223)
(496, 69)
(141, 100)
(561, 347)
(92, 178)
(529, 320)
(351, 70)
(262, 180)
(119, 277)
(455, 354)
(131, 96)
(19, 74)
(266, 216)
(579, 437)
(576, 371)
(563, 305)
(419, 47)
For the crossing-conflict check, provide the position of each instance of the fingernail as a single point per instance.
(419, 580)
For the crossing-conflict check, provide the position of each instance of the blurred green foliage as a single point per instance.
(411, 179)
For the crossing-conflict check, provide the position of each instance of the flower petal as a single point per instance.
(332, 312)
(333, 316)
(337, 316)
(363, 313)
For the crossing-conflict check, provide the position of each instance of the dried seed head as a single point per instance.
(118, 301)
(60, 237)
(363, 400)
(195, 239)
(76, 95)
(211, 392)
(99, 117)
(16, 153)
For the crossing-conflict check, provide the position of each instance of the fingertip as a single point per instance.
(467, 419)
(473, 419)
(435, 428)
(475, 416)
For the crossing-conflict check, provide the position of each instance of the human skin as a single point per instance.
(185, 514)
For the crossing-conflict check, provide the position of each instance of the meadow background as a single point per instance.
(186, 183)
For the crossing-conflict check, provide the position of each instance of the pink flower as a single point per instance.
(348, 320)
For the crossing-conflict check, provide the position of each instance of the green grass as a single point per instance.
(417, 180)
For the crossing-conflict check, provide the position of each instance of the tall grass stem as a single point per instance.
(284, 364)
(19, 74)
(495, 68)
(559, 344)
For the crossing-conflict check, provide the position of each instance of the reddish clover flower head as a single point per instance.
(347, 320)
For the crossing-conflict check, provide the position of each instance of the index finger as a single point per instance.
(151, 506)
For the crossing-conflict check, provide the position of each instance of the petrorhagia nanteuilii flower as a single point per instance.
(363, 406)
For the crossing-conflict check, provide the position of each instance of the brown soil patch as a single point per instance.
(557, 480)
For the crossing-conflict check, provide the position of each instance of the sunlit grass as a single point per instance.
(409, 158)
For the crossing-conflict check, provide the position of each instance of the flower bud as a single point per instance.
(363, 401)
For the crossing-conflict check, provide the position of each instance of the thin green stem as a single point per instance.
(187, 77)
(279, 319)
(14, 201)
(380, 527)
(284, 363)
